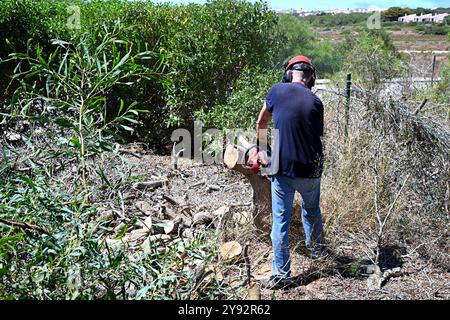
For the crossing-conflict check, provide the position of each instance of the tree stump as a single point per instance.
(262, 195)
(262, 198)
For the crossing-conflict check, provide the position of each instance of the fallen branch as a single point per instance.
(198, 184)
(247, 264)
(171, 200)
(130, 153)
(150, 184)
(424, 102)
(24, 225)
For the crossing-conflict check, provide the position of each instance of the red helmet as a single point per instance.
(298, 59)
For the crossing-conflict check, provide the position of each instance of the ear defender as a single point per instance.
(287, 76)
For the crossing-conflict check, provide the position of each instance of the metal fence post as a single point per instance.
(432, 71)
(347, 105)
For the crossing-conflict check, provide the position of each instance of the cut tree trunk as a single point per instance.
(262, 199)
(261, 187)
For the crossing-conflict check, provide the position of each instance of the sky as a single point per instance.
(341, 4)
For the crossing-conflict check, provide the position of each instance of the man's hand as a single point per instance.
(261, 125)
(255, 159)
(258, 156)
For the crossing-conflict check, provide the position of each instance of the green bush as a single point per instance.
(299, 38)
(337, 20)
(433, 28)
(209, 45)
(393, 13)
(242, 107)
(372, 57)
(74, 80)
(439, 92)
(296, 37)
(75, 261)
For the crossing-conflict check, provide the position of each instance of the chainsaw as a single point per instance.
(256, 158)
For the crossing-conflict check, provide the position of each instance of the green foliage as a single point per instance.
(337, 20)
(301, 39)
(212, 50)
(76, 262)
(329, 58)
(433, 28)
(393, 13)
(74, 80)
(210, 45)
(373, 57)
(440, 92)
(443, 87)
(297, 37)
(244, 103)
(77, 259)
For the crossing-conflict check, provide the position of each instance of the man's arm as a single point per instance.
(261, 125)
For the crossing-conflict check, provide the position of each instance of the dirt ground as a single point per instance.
(205, 188)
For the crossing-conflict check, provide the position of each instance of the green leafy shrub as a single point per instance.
(210, 45)
(75, 79)
(337, 20)
(373, 57)
(433, 28)
(244, 103)
(299, 38)
(54, 242)
(439, 92)
(74, 261)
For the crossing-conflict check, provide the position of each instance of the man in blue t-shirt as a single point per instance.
(296, 164)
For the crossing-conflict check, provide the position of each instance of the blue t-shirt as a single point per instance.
(297, 115)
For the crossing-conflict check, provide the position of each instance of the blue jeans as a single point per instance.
(283, 190)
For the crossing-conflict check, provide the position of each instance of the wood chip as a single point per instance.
(230, 250)
(145, 207)
(221, 211)
(254, 292)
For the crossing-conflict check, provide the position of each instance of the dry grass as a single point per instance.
(395, 166)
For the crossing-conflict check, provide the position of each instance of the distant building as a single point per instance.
(303, 13)
(409, 18)
(437, 18)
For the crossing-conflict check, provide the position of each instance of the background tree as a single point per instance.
(393, 13)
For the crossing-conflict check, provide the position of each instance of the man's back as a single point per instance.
(297, 114)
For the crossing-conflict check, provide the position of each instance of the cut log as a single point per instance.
(254, 292)
(148, 224)
(145, 207)
(159, 237)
